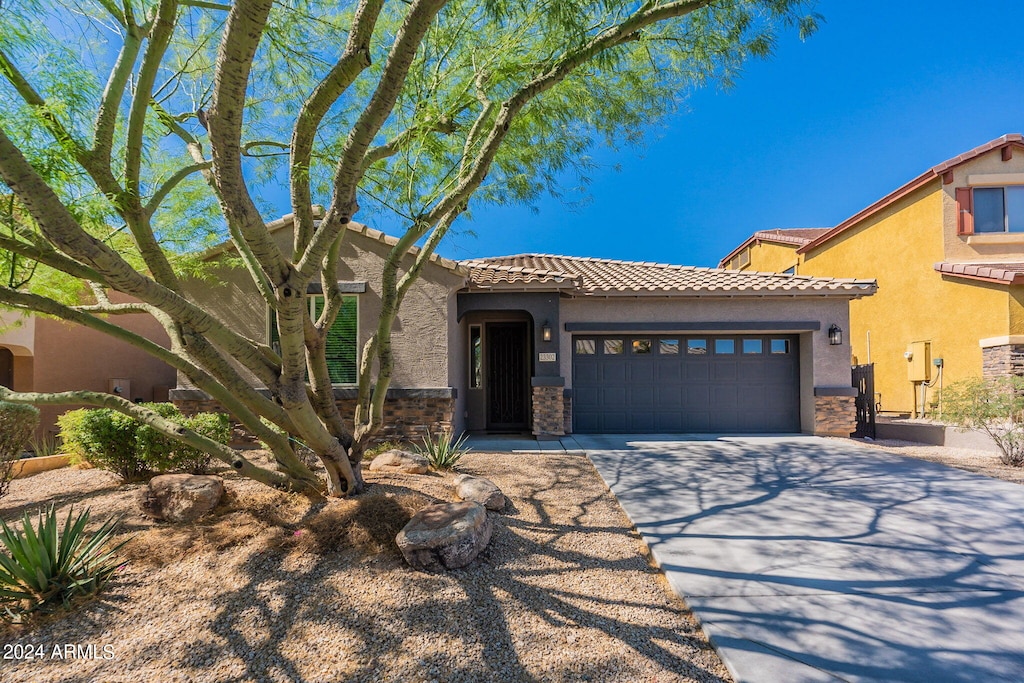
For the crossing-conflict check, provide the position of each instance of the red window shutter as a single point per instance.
(964, 212)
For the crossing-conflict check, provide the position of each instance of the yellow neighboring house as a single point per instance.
(947, 250)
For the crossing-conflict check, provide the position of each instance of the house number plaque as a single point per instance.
(547, 357)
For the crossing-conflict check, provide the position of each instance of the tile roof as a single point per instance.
(797, 236)
(605, 277)
(1003, 273)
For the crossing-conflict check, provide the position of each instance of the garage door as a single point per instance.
(686, 384)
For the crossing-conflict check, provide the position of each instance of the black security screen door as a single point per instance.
(507, 376)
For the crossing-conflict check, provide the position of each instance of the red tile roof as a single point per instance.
(605, 277)
(797, 236)
(1003, 273)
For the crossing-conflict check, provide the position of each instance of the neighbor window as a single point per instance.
(341, 348)
(999, 209)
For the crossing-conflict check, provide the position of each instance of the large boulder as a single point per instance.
(446, 535)
(399, 461)
(181, 497)
(479, 490)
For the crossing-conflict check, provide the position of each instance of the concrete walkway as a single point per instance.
(812, 559)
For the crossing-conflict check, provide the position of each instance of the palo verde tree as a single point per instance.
(134, 134)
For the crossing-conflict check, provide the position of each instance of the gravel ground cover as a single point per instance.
(980, 462)
(564, 592)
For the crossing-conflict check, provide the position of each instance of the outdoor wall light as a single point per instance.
(835, 335)
(545, 331)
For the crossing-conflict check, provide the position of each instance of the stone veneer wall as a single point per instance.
(567, 411)
(548, 411)
(1002, 361)
(408, 413)
(835, 415)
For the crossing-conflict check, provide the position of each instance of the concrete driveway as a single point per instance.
(813, 559)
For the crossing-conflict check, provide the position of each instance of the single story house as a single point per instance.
(556, 344)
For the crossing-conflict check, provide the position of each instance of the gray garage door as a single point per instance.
(685, 384)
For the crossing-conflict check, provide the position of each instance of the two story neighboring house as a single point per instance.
(947, 251)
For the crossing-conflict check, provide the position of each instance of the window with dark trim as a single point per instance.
(987, 210)
(342, 347)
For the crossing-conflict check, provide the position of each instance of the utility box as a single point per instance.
(121, 387)
(919, 365)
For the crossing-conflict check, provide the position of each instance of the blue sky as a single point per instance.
(883, 91)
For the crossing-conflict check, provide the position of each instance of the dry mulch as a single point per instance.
(273, 587)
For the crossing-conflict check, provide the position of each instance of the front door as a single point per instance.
(507, 376)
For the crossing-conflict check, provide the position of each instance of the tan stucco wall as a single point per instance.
(18, 333)
(768, 257)
(72, 357)
(898, 248)
(421, 334)
(821, 365)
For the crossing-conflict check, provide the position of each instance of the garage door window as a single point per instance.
(696, 347)
(612, 347)
(668, 347)
(752, 346)
(780, 346)
(585, 347)
(725, 346)
(642, 346)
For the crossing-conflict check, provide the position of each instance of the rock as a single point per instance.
(181, 497)
(400, 461)
(479, 490)
(446, 535)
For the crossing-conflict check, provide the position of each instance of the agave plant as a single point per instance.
(45, 564)
(444, 451)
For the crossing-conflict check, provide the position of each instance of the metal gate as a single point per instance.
(864, 381)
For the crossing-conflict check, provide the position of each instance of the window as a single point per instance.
(476, 357)
(752, 346)
(642, 346)
(585, 347)
(790, 271)
(669, 347)
(612, 347)
(341, 338)
(725, 346)
(696, 347)
(990, 209)
(779, 346)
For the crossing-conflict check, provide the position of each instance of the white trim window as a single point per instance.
(342, 339)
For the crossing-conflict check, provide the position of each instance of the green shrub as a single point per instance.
(215, 426)
(116, 442)
(378, 448)
(17, 424)
(105, 439)
(155, 450)
(444, 451)
(45, 565)
(994, 406)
